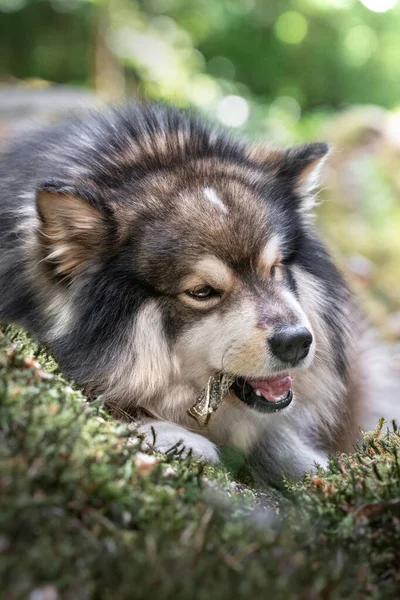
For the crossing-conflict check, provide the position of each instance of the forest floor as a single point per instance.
(86, 512)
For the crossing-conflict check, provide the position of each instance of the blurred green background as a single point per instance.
(281, 71)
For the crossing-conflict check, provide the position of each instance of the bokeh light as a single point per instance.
(285, 108)
(389, 54)
(221, 67)
(233, 111)
(291, 27)
(359, 45)
(203, 91)
(379, 6)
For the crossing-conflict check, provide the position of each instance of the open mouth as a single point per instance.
(269, 394)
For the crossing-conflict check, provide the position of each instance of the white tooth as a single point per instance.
(257, 392)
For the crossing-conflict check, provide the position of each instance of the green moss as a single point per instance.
(87, 513)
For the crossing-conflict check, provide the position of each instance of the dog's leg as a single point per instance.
(283, 453)
(162, 435)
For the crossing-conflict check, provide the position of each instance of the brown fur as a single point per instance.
(71, 231)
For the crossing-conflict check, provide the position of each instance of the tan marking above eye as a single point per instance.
(209, 271)
(270, 257)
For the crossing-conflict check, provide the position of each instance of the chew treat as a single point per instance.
(210, 398)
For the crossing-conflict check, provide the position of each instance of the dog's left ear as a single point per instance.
(300, 166)
(71, 230)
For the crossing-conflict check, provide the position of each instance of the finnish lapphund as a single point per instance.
(166, 263)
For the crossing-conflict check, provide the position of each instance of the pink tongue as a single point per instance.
(272, 388)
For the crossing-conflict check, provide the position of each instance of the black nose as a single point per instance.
(291, 344)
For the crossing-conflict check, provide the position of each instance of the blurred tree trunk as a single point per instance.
(108, 73)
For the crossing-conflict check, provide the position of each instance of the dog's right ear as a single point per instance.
(299, 166)
(71, 231)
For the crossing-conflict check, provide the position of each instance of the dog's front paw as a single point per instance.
(162, 436)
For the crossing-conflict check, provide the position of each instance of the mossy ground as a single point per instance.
(85, 512)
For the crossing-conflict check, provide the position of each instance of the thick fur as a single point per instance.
(109, 219)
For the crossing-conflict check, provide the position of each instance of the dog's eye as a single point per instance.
(202, 293)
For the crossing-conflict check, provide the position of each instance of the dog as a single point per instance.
(151, 252)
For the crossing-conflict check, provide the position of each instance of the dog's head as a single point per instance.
(198, 264)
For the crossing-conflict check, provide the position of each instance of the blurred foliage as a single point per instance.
(282, 71)
(325, 53)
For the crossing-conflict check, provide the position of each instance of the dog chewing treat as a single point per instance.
(177, 272)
